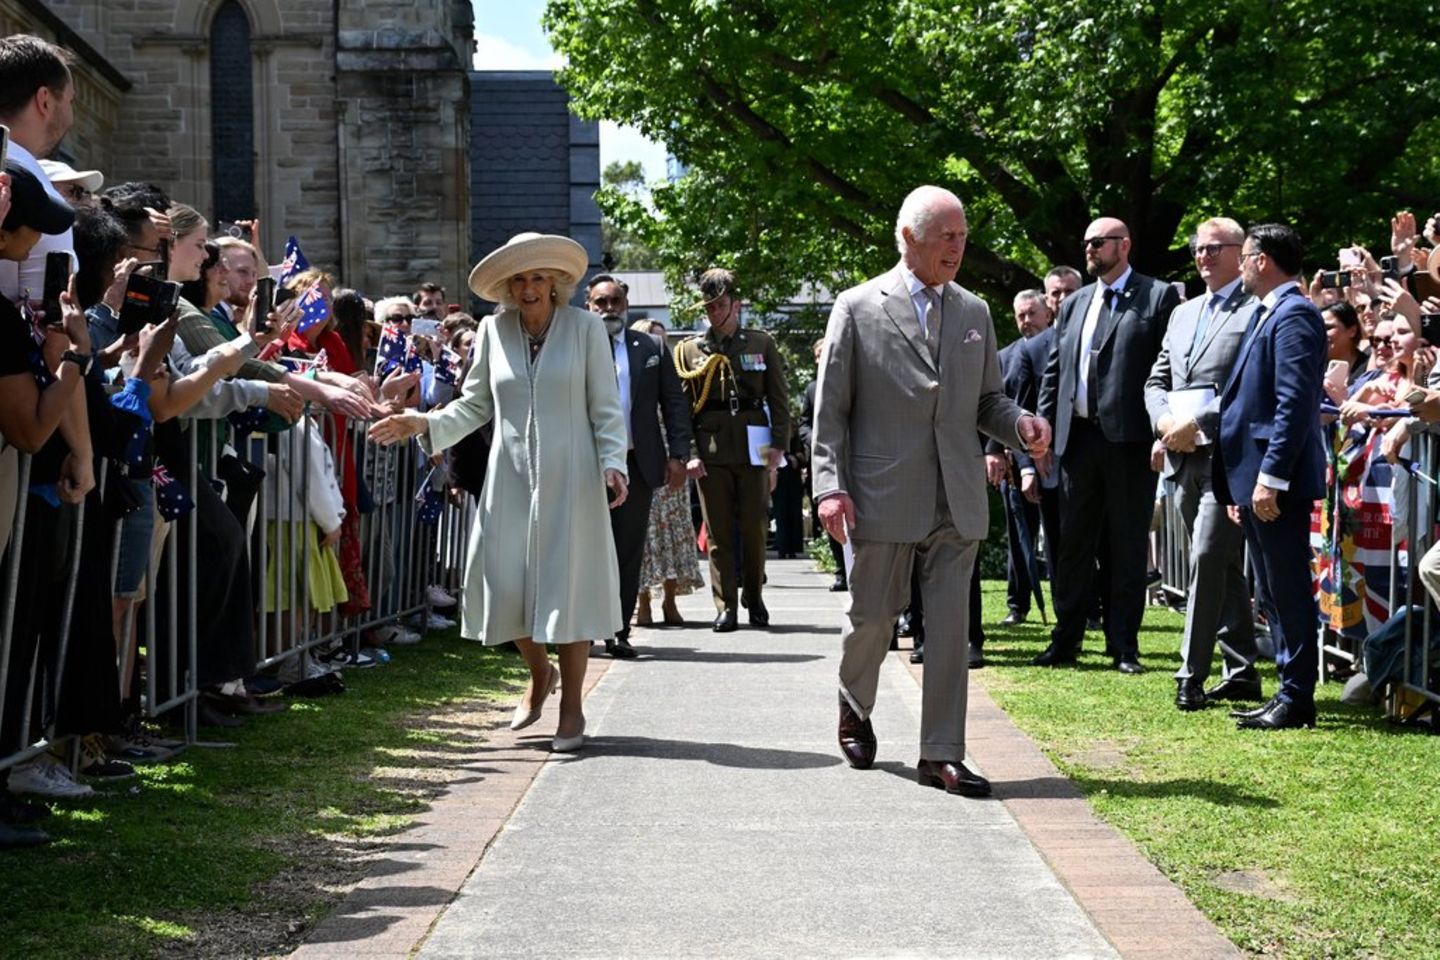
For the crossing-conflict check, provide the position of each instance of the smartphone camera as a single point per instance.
(1334, 279)
(1390, 267)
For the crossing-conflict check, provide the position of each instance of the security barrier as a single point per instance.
(402, 556)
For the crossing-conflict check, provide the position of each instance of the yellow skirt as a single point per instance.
(327, 584)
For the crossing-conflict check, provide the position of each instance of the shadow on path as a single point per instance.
(693, 655)
(720, 754)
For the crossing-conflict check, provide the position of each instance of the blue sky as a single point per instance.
(508, 36)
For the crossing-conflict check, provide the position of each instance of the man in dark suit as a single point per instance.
(1022, 516)
(1093, 394)
(1270, 462)
(648, 385)
(1201, 345)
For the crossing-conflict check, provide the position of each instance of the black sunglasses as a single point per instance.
(1095, 243)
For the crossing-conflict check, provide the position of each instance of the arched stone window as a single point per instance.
(232, 113)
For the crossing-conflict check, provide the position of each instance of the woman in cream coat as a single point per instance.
(542, 565)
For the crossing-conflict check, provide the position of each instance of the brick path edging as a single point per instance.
(408, 887)
(1134, 906)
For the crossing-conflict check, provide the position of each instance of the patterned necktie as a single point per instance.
(932, 323)
(1207, 313)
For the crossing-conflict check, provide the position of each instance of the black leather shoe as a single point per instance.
(857, 737)
(1052, 657)
(1188, 695)
(759, 616)
(977, 658)
(839, 585)
(1013, 619)
(20, 836)
(620, 649)
(1235, 689)
(1094, 623)
(1128, 666)
(902, 625)
(952, 777)
(1282, 715)
(1256, 711)
(917, 655)
(726, 622)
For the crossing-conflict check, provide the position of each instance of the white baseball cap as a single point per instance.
(60, 172)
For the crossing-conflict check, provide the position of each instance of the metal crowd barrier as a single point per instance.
(1174, 546)
(401, 556)
(1422, 501)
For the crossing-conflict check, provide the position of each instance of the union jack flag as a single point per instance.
(294, 261)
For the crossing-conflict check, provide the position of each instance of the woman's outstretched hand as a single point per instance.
(615, 480)
(401, 426)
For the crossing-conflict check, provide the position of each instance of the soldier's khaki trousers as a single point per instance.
(735, 503)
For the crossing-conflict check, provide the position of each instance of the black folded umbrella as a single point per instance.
(1032, 564)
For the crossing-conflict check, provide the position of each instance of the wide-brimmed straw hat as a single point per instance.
(527, 251)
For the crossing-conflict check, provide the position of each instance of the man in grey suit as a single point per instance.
(1201, 345)
(908, 377)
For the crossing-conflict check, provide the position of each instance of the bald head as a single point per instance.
(1107, 249)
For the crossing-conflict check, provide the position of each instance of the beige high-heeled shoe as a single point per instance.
(569, 744)
(523, 718)
(643, 616)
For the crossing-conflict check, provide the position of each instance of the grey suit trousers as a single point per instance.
(1218, 608)
(879, 590)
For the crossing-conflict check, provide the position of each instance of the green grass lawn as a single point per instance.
(234, 851)
(1316, 843)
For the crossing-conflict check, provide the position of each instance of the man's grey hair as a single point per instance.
(918, 209)
(1031, 296)
(1068, 273)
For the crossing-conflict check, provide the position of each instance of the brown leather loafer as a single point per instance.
(857, 737)
(952, 777)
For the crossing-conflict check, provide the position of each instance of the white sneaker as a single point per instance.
(45, 777)
(436, 621)
(439, 598)
(396, 635)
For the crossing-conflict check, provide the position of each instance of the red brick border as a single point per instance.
(391, 911)
(1132, 904)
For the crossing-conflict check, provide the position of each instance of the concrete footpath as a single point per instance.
(710, 815)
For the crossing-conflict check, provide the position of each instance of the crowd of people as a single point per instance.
(574, 435)
(146, 346)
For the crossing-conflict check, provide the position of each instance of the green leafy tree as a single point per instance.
(803, 123)
(623, 183)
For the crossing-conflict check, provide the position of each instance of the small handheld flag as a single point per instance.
(294, 261)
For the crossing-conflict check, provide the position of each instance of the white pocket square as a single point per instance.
(652, 362)
(972, 336)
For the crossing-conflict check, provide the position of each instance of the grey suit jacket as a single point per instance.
(891, 424)
(1184, 363)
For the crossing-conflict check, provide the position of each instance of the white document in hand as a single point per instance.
(759, 438)
(1185, 405)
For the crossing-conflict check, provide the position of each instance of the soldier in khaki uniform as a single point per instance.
(731, 378)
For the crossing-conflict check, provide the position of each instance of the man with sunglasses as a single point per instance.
(1201, 344)
(1093, 393)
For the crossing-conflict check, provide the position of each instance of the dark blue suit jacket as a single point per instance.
(1270, 408)
(1009, 357)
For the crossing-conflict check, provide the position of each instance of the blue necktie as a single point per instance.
(1207, 313)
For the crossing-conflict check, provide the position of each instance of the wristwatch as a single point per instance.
(81, 360)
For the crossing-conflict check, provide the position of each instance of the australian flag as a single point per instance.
(447, 367)
(391, 349)
(294, 261)
(412, 356)
(172, 500)
(314, 307)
